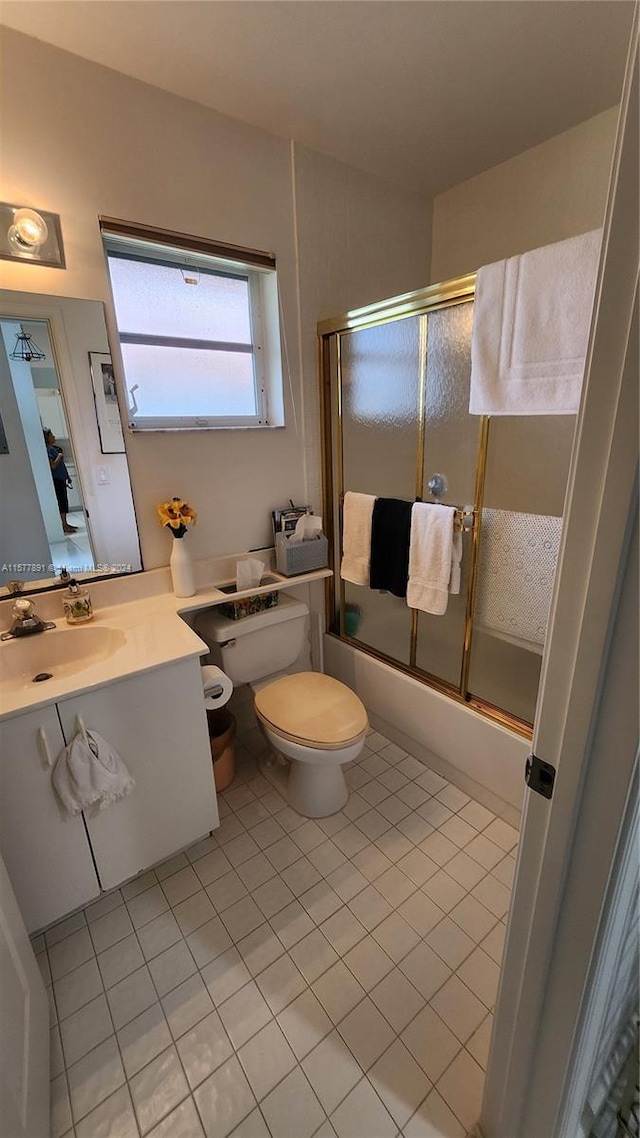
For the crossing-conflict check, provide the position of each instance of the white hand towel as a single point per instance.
(356, 537)
(89, 771)
(532, 315)
(456, 558)
(430, 557)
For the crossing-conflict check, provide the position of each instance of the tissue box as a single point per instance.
(248, 606)
(302, 556)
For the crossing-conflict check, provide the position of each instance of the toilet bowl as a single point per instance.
(318, 724)
(315, 721)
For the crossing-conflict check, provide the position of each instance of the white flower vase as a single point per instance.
(181, 569)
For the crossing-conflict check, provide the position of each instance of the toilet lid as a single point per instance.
(312, 708)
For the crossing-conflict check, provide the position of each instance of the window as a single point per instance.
(198, 332)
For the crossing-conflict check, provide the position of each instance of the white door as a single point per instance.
(587, 696)
(24, 1027)
(46, 851)
(157, 724)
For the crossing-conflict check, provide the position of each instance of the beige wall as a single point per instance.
(101, 143)
(553, 191)
(356, 244)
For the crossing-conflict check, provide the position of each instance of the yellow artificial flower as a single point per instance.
(176, 513)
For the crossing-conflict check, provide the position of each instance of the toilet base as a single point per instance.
(316, 791)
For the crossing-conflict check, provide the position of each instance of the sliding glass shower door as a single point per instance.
(397, 424)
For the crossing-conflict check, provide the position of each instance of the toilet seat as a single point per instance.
(313, 709)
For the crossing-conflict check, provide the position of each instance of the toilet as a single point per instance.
(313, 720)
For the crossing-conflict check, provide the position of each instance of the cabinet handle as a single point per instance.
(44, 746)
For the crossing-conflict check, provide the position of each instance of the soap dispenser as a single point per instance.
(76, 603)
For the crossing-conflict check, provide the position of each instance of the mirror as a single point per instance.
(66, 499)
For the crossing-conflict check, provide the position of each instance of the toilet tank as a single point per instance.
(258, 645)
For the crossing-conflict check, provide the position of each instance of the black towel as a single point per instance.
(390, 532)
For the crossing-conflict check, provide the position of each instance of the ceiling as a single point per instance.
(426, 93)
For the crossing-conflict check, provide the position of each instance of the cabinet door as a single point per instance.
(46, 851)
(157, 723)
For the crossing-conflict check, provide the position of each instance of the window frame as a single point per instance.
(149, 246)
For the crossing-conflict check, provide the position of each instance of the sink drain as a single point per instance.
(42, 676)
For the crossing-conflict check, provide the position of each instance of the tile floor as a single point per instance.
(74, 552)
(286, 977)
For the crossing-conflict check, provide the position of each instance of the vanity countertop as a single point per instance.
(155, 635)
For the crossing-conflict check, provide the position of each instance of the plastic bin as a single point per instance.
(222, 733)
(301, 557)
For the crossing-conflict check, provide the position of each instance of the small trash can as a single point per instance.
(222, 733)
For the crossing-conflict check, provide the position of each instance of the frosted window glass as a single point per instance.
(178, 382)
(154, 300)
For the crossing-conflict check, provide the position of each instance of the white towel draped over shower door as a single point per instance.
(517, 565)
(531, 321)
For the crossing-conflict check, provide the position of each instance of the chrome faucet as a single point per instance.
(26, 621)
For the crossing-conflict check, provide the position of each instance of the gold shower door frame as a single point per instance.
(420, 303)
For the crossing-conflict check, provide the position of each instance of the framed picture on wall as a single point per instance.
(106, 401)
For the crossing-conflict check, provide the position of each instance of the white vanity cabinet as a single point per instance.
(157, 723)
(46, 852)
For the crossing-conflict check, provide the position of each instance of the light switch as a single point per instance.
(103, 476)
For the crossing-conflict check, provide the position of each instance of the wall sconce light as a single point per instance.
(30, 235)
(26, 348)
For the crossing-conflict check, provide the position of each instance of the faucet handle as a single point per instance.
(23, 607)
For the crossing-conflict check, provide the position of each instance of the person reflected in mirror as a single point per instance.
(61, 479)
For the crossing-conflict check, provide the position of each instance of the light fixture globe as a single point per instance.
(28, 232)
(32, 236)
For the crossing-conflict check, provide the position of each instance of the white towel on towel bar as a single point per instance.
(88, 771)
(430, 557)
(356, 537)
(532, 315)
(518, 555)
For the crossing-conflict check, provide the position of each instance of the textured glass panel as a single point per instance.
(380, 383)
(526, 477)
(181, 381)
(155, 300)
(380, 387)
(451, 433)
(379, 620)
(450, 449)
(528, 463)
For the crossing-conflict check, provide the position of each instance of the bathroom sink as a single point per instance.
(55, 654)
